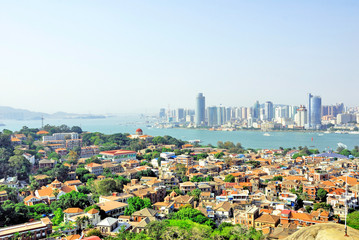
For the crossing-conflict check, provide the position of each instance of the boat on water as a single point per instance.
(353, 132)
(266, 134)
(320, 134)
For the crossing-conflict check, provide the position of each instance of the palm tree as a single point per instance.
(85, 220)
(79, 223)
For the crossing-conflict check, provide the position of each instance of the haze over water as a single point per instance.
(248, 139)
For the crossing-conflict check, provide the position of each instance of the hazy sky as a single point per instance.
(138, 56)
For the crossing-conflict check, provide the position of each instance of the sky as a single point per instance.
(139, 56)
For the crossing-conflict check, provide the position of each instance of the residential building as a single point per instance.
(38, 230)
(118, 155)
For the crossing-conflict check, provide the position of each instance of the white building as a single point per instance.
(60, 136)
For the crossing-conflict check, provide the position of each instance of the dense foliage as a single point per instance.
(15, 213)
(136, 204)
(71, 200)
(187, 229)
(353, 220)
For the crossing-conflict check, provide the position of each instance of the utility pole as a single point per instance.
(346, 207)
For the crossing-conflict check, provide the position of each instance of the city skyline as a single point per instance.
(101, 55)
(267, 115)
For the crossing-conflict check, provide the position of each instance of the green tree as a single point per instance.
(229, 178)
(94, 232)
(277, 178)
(323, 205)
(59, 217)
(136, 204)
(70, 200)
(322, 195)
(80, 172)
(193, 215)
(195, 193)
(20, 166)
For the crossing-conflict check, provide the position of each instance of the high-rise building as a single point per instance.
(256, 110)
(292, 111)
(268, 111)
(180, 115)
(332, 110)
(244, 112)
(301, 117)
(162, 113)
(228, 114)
(221, 115)
(200, 109)
(314, 111)
(212, 116)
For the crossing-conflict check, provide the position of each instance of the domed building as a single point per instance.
(139, 134)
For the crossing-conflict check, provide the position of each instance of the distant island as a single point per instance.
(9, 113)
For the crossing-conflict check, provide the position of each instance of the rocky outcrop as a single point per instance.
(324, 231)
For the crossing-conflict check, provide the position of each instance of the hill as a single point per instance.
(22, 114)
(324, 231)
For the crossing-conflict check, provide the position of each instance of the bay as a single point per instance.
(248, 138)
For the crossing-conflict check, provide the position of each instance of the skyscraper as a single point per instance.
(268, 111)
(301, 116)
(200, 109)
(314, 111)
(162, 113)
(180, 115)
(221, 115)
(212, 116)
(256, 110)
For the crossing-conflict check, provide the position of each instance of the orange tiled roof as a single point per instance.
(42, 132)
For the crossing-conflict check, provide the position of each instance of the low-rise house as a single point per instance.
(223, 210)
(145, 213)
(266, 220)
(39, 229)
(113, 167)
(42, 179)
(45, 163)
(94, 168)
(118, 155)
(301, 219)
(116, 197)
(164, 208)
(62, 151)
(69, 212)
(3, 196)
(91, 217)
(72, 143)
(32, 200)
(55, 190)
(87, 152)
(182, 200)
(113, 208)
(10, 182)
(155, 194)
(73, 183)
(108, 225)
(30, 158)
(187, 187)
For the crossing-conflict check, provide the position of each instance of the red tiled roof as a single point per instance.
(117, 152)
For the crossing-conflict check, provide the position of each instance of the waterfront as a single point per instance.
(248, 139)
